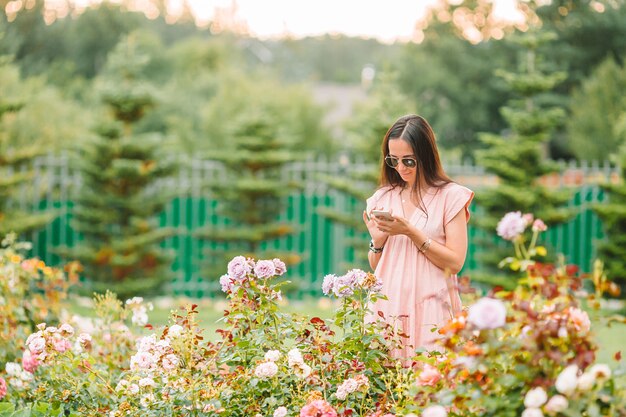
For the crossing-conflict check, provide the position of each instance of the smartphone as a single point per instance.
(382, 214)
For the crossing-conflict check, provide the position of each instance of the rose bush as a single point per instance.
(527, 352)
(30, 293)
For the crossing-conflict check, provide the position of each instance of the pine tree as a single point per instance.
(251, 192)
(613, 214)
(518, 158)
(15, 160)
(118, 202)
(365, 133)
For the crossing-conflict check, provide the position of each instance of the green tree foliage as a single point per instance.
(252, 192)
(365, 132)
(596, 108)
(452, 80)
(291, 105)
(328, 58)
(613, 214)
(588, 32)
(15, 159)
(518, 157)
(118, 202)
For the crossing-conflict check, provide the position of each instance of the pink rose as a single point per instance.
(580, 320)
(85, 340)
(539, 226)
(435, 411)
(265, 269)
(37, 344)
(61, 345)
(142, 360)
(318, 408)
(280, 266)
(170, 362)
(238, 268)
(66, 330)
(487, 313)
(227, 283)
(429, 376)
(511, 226)
(3, 388)
(29, 362)
(328, 284)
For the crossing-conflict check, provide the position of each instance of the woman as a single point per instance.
(418, 251)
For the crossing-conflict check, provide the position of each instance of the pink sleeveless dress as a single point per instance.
(420, 294)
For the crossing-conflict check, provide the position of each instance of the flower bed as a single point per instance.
(525, 352)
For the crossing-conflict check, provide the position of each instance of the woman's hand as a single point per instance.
(379, 237)
(397, 226)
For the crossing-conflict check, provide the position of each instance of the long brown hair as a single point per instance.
(416, 131)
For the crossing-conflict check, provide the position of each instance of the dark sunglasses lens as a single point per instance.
(409, 163)
(392, 162)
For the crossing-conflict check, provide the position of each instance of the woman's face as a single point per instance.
(401, 150)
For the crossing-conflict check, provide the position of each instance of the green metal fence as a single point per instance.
(321, 244)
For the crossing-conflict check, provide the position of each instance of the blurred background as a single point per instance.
(153, 140)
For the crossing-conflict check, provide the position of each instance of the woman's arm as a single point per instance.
(450, 256)
(379, 238)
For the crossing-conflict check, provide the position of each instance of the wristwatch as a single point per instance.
(375, 250)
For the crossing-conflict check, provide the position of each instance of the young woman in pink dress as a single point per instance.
(418, 252)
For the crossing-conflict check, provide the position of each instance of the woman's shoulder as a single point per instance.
(378, 194)
(381, 191)
(455, 188)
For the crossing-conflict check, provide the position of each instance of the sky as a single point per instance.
(385, 20)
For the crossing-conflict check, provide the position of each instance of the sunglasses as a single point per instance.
(393, 162)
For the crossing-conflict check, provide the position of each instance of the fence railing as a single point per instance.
(322, 244)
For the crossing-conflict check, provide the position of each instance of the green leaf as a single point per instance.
(6, 409)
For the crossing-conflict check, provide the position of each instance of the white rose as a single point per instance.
(175, 330)
(487, 313)
(146, 382)
(295, 357)
(13, 368)
(146, 400)
(535, 398)
(532, 412)
(341, 393)
(556, 404)
(266, 370)
(586, 381)
(302, 370)
(139, 318)
(280, 412)
(435, 411)
(600, 371)
(133, 389)
(272, 355)
(142, 360)
(567, 380)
